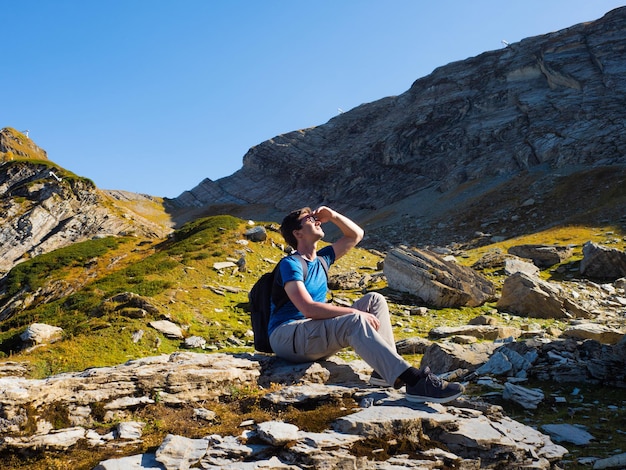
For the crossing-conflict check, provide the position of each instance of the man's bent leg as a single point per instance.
(311, 340)
(376, 304)
(354, 330)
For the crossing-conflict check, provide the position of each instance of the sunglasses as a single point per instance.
(307, 218)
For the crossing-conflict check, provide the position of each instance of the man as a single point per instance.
(307, 328)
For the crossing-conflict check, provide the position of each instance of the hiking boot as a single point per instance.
(377, 381)
(433, 389)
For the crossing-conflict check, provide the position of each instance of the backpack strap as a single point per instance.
(305, 268)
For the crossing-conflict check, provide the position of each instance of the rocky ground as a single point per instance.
(469, 432)
(370, 428)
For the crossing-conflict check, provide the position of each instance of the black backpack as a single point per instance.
(266, 289)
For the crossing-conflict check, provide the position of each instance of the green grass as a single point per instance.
(32, 274)
(175, 275)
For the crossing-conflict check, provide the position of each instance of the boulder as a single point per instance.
(568, 433)
(181, 452)
(543, 256)
(256, 234)
(507, 362)
(601, 333)
(516, 265)
(169, 329)
(463, 432)
(131, 430)
(134, 462)
(527, 398)
(413, 345)
(532, 297)
(58, 439)
(40, 333)
(491, 260)
(437, 282)
(615, 461)
(218, 266)
(277, 433)
(446, 357)
(602, 262)
(195, 342)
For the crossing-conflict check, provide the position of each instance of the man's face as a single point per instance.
(310, 225)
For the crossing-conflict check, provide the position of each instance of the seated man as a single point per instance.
(307, 328)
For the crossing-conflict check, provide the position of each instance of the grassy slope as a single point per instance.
(178, 277)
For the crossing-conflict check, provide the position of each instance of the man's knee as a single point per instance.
(375, 300)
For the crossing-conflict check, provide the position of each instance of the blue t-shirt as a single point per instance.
(316, 284)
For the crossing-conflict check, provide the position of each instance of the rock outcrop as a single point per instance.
(14, 144)
(40, 333)
(543, 256)
(44, 207)
(100, 405)
(529, 296)
(602, 262)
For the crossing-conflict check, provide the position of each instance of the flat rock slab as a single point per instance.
(568, 433)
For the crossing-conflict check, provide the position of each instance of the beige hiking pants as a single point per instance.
(310, 340)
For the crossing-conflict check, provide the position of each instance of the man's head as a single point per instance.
(291, 223)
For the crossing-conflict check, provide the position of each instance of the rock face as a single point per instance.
(547, 104)
(521, 130)
(437, 282)
(43, 207)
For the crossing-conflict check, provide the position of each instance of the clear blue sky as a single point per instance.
(153, 96)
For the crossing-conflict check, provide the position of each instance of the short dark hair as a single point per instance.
(292, 222)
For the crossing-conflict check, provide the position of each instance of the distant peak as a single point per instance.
(16, 145)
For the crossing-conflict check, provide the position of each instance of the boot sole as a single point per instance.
(420, 399)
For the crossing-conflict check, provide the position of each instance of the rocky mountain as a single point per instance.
(44, 207)
(512, 140)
